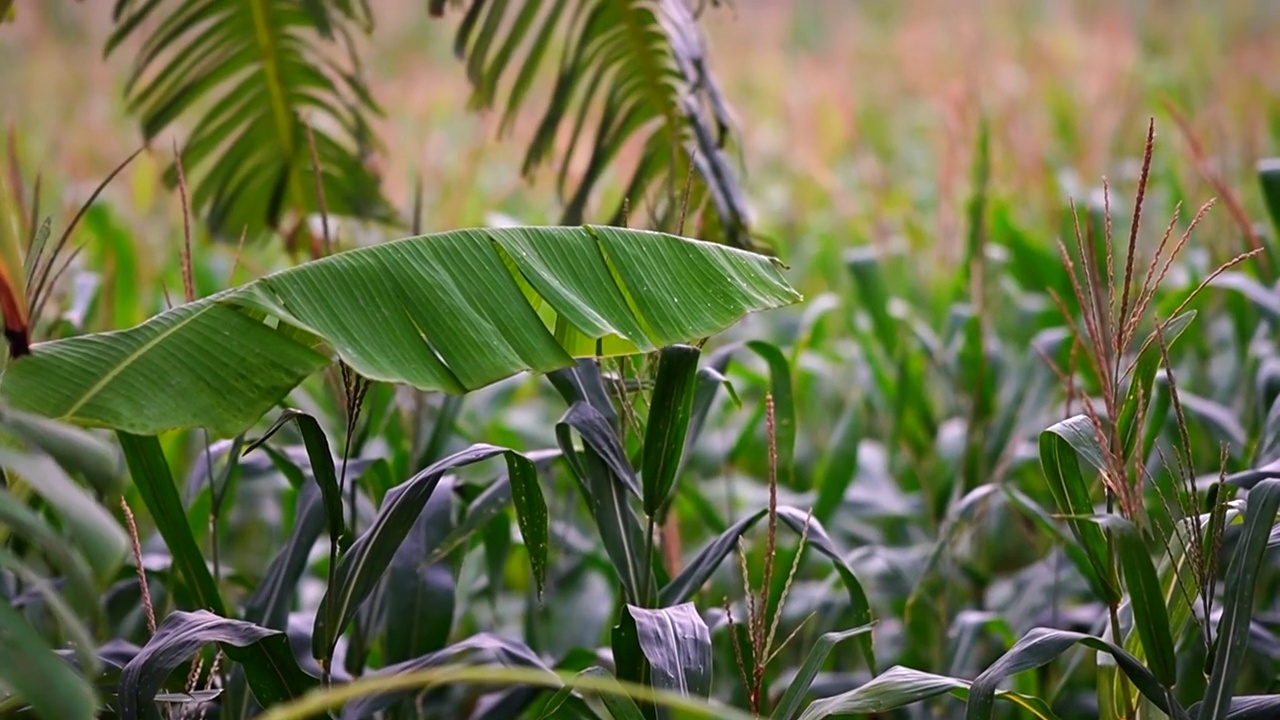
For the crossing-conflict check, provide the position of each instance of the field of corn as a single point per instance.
(947, 387)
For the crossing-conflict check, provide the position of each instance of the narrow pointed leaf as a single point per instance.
(606, 491)
(669, 413)
(789, 705)
(819, 540)
(367, 559)
(900, 686)
(152, 478)
(1040, 647)
(322, 467)
(1146, 596)
(481, 649)
(1232, 636)
(697, 571)
(452, 311)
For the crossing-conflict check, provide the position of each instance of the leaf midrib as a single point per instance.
(125, 362)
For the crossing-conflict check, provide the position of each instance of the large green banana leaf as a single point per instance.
(452, 311)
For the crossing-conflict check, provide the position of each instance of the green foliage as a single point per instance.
(1042, 484)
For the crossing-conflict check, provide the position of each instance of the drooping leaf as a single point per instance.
(789, 704)
(1041, 646)
(261, 72)
(602, 471)
(272, 672)
(154, 481)
(453, 311)
(899, 686)
(1067, 484)
(322, 467)
(1232, 636)
(660, 96)
(695, 573)
(677, 645)
(819, 540)
(669, 413)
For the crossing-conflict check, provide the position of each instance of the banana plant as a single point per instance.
(280, 111)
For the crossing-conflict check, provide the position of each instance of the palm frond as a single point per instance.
(635, 69)
(249, 76)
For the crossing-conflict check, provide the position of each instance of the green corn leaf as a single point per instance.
(272, 672)
(152, 478)
(419, 597)
(1040, 647)
(602, 472)
(322, 467)
(697, 571)
(789, 705)
(453, 311)
(819, 540)
(677, 645)
(1232, 636)
(483, 649)
(364, 563)
(1058, 447)
(669, 413)
(1146, 597)
(73, 448)
(900, 686)
(93, 530)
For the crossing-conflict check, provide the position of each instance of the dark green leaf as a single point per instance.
(363, 564)
(677, 645)
(1040, 647)
(322, 467)
(820, 541)
(695, 573)
(419, 594)
(789, 705)
(606, 491)
(1058, 447)
(899, 686)
(670, 409)
(269, 665)
(453, 311)
(1232, 636)
(481, 649)
(152, 478)
(840, 466)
